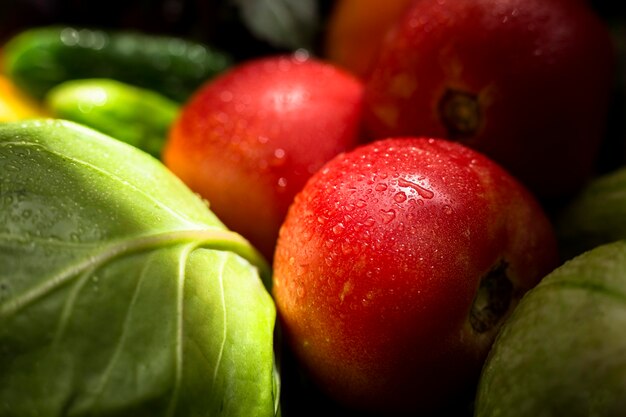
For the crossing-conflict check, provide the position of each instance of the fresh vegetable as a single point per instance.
(249, 139)
(15, 104)
(43, 57)
(510, 78)
(594, 216)
(355, 30)
(289, 24)
(561, 353)
(396, 265)
(134, 115)
(120, 292)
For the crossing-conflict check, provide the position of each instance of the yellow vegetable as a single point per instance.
(16, 105)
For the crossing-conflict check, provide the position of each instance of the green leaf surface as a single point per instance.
(121, 294)
(288, 24)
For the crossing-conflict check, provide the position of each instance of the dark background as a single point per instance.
(219, 23)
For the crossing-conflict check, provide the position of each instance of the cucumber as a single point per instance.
(39, 58)
(134, 115)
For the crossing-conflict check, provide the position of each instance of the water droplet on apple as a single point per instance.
(282, 182)
(421, 191)
(347, 248)
(381, 187)
(338, 228)
(360, 203)
(369, 222)
(388, 215)
(400, 197)
(447, 209)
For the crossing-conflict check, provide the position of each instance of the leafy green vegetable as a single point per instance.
(283, 23)
(120, 292)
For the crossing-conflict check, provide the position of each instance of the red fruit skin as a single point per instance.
(380, 258)
(541, 72)
(249, 139)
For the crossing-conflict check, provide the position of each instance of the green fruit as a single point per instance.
(40, 58)
(595, 216)
(562, 351)
(134, 115)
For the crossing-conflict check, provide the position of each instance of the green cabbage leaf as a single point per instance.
(121, 293)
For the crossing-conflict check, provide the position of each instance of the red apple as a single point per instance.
(248, 140)
(526, 82)
(397, 264)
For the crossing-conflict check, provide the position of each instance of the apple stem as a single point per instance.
(460, 113)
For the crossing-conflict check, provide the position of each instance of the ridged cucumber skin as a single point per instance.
(39, 58)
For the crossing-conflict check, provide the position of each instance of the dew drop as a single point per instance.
(369, 222)
(447, 209)
(360, 203)
(338, 228)
(346, 248)
(399, 197)
(388, 215)
(421, 191)
(381, 187)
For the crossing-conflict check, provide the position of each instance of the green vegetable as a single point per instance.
(120, 292)
(40, 58)
(134, 115)
(283, 23)
(561, 352)
(595, 216)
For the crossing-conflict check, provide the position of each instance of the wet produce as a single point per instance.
(41, 58)
(397, 264)
(120, 292)
(526, 82)
(249, 139)
(561, 352)
(135, 115)
(305, 208)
